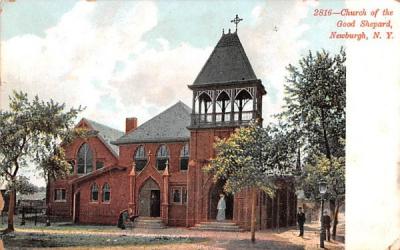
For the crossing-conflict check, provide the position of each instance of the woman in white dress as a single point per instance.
(221, 208)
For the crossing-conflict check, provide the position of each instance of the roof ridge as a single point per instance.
(156, 116)
(101, 124)
(170, 124)
(245, 57)
(106, 134)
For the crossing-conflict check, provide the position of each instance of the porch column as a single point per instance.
(214, 106)
(232, 105)
(132, 188)
(165, 203)
(254, 116)
(73, 209)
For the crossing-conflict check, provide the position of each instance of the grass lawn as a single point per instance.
(45, 240)
(83, 237)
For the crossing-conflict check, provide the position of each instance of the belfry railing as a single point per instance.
(223, 119)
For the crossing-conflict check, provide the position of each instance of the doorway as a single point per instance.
(155, 203)
(214, 197)
(149, 199)
(77, 206)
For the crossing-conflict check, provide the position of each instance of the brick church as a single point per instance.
(155, 170)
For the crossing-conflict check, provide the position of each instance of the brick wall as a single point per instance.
(100, 153)
(100, 212)
(171, 214)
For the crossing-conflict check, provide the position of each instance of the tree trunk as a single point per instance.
(253, 215)
(327, 147)
(335, 219)
(48, 189)
(332, 207)
(11, 209)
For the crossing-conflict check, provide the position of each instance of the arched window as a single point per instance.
(184, 157)
(203, 108)
(223, 107)
(140, 158)
(162, 157)
(85, 159)
(94, 192)
(106, 193)
(243, 106)
(203, 103)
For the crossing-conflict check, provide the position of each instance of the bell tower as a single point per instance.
(226, 95)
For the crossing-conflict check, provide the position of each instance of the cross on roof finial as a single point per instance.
(236, 20)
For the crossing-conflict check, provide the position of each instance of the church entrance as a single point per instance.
(77, 206)
(155, 203)
(149, 199)
(214, 197)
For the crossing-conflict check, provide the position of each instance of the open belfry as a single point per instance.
(155, 170)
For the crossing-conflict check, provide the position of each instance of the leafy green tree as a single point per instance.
(333, 173)
(31, 131)
(315, 112)
(315, 101)
(252, 158)
(22, 185)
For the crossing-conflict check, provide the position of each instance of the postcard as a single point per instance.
(200, 124)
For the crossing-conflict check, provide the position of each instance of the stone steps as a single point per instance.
(218, 226)
(148, 222)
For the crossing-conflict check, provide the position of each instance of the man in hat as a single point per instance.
(301, 219)
(326, 223)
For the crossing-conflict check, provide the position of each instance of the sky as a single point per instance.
(123, 59)
(135, 59)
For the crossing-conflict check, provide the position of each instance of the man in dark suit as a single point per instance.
(326, 222)
(301, 219)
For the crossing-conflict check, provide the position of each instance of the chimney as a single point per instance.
(130, 124)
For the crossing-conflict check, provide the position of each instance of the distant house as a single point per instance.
(30, 203)
(3, 197)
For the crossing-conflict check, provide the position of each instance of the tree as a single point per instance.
(252, 158)
(30, 131)
(22, 185)
(315, 101)
(333, 173)
(314, 111)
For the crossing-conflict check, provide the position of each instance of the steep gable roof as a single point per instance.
(228, 62)
(170, 125)
(106, 133)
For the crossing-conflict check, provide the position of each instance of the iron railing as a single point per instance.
(243, 117)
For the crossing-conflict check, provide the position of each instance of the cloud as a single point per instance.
(75, 60)
(270, 51)
(98, 56)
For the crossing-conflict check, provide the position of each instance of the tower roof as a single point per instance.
(228, 62)
(169, 125)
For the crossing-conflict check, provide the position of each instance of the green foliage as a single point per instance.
(331, 171)
(32, 131)
(23, 186)
(314, 117)
(315, 100)
(252, 157)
